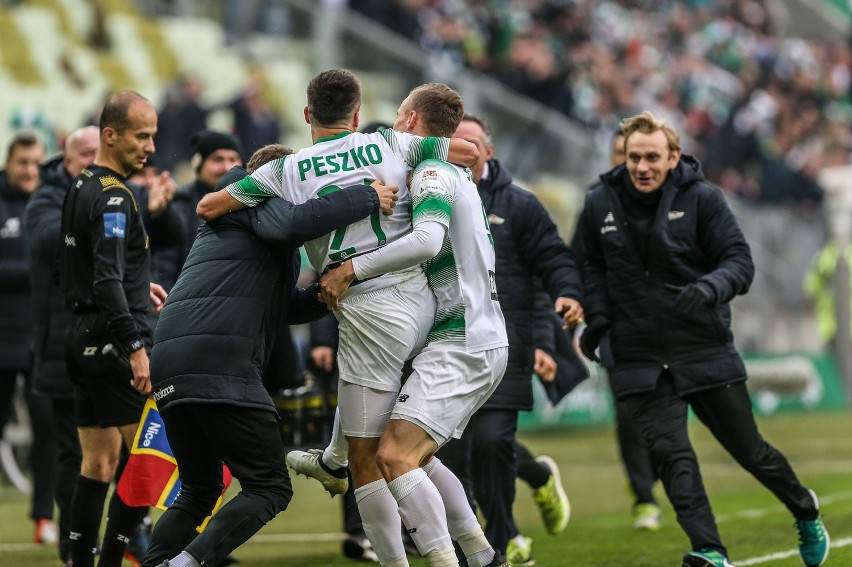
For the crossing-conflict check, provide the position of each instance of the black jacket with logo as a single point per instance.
(694, 237)
(14, 281)
(105, 262)
(213, 336)
(526, 245)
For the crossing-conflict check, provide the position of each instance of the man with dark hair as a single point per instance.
(105, 280)
(18, 180)
(383, 320)
(210, 346)
(214, 153)
(528, 250)
(664, 256)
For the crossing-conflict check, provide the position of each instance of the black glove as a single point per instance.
(590, 340)
(690, 297)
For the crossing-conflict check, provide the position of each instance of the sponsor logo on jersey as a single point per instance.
(403, 398)
(674, 215)
(609, 218)
(115, 201)
(160, 394)
(114, 225)
(494, 219)
(492, 281)
(429, 174)
(90, 350)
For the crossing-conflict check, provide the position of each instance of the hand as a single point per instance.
(335, 282)
(691, 296)
(158, 297)
(570, 310)
(323, 357)
(387, 196)
(590, 340)
(160, 193)
(545, 367)
(141, 374)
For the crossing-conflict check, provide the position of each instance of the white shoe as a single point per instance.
(45, 532)
(309, 463)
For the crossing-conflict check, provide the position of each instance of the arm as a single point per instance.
(112, 218)
(282, 224)
(242, 192)
(421, 244)
(721, 239)
(416, 149)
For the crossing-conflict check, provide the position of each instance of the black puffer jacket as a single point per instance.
(214, 333)
(694, 237)
(42, 221)
(526, 245)
(14, 281)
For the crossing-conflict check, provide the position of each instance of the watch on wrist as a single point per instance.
(135, 345)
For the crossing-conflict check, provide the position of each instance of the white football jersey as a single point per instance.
(332, 164)
(462, 274)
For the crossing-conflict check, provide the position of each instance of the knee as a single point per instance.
(393, 461)
(99, 467)
(197, 502)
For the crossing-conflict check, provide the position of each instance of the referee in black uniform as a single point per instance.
(105, 281)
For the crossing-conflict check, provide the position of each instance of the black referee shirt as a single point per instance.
(105, 258)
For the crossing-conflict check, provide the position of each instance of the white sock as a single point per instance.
(336, 455)
(422, 511)
(461, 520)
(184, 560)
(380, 516)
(443, 558)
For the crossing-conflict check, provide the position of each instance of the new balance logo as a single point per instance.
(674, 215)
(115, 201)
(90, 350)
(609, 218)
(412, 531)
(403, 398)
(494, 219)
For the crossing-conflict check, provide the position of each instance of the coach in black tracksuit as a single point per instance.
(211, 344)
(526, 244)
(664, 256)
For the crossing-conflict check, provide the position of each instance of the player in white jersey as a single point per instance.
(467, 347)
(383, 321)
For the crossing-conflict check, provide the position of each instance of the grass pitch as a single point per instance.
(754, 526)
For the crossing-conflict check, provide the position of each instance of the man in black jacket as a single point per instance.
(526, 245)
(639, 464)
(211, 344)
(18, 181)
(664, 256)
(50, 317)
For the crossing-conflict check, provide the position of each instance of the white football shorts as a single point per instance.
(447, 386)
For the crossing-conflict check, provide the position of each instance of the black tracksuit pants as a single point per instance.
(202, 437)
(726, 411)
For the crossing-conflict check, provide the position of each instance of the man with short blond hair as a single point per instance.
(655, 220)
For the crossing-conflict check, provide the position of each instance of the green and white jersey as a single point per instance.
(462, 274)
(334, 163)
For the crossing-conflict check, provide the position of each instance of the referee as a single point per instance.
(106, 284)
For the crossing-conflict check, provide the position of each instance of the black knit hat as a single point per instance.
(206, 142)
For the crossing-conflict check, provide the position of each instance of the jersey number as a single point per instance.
(335, 254)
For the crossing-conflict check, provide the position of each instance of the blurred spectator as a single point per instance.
(254, 122)
(181, 116)
(18, 181)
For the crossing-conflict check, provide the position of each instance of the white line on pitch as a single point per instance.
(760, 512)
(785, 554)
